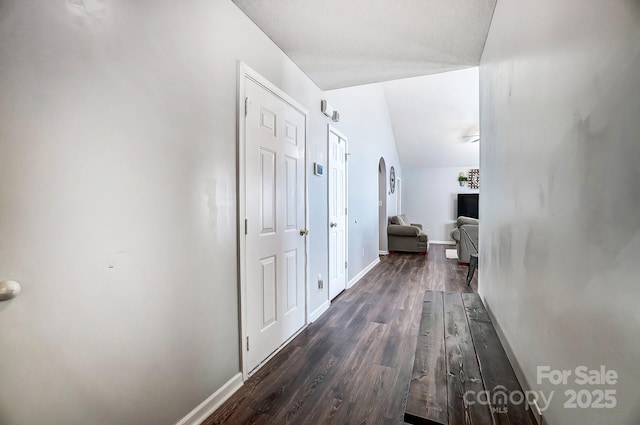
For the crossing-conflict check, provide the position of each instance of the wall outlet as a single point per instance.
(363, 252)
(320, 281)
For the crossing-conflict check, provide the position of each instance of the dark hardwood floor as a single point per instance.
(459, 357)
(354, 364)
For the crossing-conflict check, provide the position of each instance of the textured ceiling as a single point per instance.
(432, 117)
(343, 43)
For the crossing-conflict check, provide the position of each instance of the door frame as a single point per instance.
(383, 214)
(398, 195)
(244, 71)
(332, 129)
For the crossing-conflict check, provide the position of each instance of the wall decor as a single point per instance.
(392, 179)
(474, 178)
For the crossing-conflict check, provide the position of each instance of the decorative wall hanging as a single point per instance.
(474, 178)
(392, 179)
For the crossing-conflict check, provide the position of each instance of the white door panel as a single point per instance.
(274, 248)
(337, 213)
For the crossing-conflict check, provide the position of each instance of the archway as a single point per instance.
(382, 207)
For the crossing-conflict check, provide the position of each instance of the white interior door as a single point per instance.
(275, 213)
(337, 213)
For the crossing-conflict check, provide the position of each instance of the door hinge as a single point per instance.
(246, 106)
(346, 156)
(247, 343)
(345, 264)
(246, 226)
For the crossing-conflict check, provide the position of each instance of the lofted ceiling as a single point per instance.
(435, 118)
(409, 46)
(343, 43)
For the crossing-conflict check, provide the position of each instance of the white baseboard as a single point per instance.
(443, 242)
(383, 252)
(215, 400)
(522, 380)
(316, 314)
(363, 272)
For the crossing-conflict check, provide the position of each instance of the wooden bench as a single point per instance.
(458, 353)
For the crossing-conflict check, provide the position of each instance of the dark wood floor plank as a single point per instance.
(496, 370)
(427, 398)
(241, 399)
(353, 315)
(330, 409)
(246, 415)
(387, 354)
(368, 396)
(395, 406)
(279, 389)
(302, 400)
(354, 371)
(399, 360)
(463, 371)
(358, 383)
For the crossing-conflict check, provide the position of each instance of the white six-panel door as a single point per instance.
(275, 215)
(337, 213)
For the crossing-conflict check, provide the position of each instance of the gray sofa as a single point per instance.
(406, 236)
(466, 236)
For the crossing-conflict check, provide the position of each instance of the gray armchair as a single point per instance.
(406, 236)
(466, 236)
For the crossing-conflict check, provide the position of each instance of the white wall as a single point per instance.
(118, 204)
(560, 108)
(364, 119)
(430, 197)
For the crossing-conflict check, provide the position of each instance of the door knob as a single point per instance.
(9, 289)
(304, 232)
(332, 224)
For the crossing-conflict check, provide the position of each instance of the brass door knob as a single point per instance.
(304, 232)
(332, 224)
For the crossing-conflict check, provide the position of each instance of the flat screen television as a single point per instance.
(468, 204)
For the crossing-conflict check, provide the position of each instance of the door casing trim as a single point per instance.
(244, 72)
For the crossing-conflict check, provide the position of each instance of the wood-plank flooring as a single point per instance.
(461, 373)
(354, 364)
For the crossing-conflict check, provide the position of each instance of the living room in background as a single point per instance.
(431, 198)
(436, 125)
